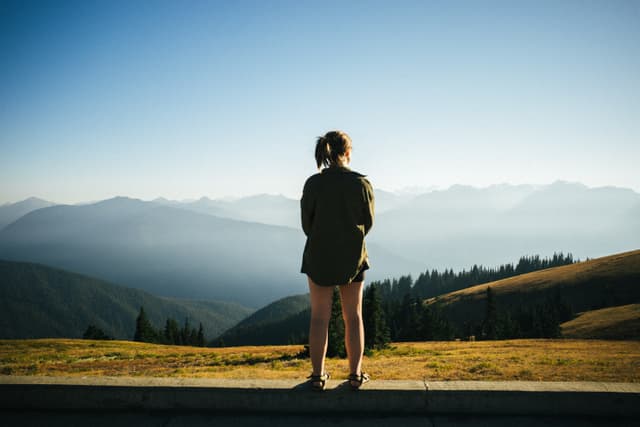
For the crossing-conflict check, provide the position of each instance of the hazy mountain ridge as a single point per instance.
(165, 250)
(465, 225)
(262, 208)
(182, 248)
(37, 301)
(10, 212)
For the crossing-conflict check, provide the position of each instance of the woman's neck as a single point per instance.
(340, 163)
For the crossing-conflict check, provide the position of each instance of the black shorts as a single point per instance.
(360, 276)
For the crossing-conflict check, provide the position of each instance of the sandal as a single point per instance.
(318, 382)
(358, 379)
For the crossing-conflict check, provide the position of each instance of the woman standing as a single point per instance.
(337, 209)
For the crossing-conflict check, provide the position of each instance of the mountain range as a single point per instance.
(39, 301)
(10, 212)
(161, 249)
(249, 250)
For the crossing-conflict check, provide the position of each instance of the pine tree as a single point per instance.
(95, 333)
(490, 324)
(409, 318)
(335, 347)
(185, 333)
(171, 332)
(433, 324)
(193, 337)
(144, 331)
(200, 340)
(376, 331)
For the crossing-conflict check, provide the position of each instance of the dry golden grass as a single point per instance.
(543, 360)
(621, 322)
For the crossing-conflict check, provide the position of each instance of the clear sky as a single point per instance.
(186, 99)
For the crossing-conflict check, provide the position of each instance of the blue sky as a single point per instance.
(190, 99)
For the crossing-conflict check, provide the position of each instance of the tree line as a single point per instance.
(172, 333)
(541, 320)
(432, 283)
(395, 310)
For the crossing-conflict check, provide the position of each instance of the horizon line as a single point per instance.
(412, 190)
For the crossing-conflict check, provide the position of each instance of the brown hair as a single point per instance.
(330, 146)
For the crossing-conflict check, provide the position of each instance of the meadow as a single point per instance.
(526, 359)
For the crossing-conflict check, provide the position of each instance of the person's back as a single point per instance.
(337, 211)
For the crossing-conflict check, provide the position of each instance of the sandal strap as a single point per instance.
(318, 382)
(362, 378)
(321, 377)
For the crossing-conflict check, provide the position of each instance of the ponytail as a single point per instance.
(323, 152)
(330, 146)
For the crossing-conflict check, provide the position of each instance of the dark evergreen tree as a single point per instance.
(185, 332)
(172, 332)
(144, 330)
(95, 333)
(401, 287)
(376, 331)
(409, 319)
(509, 327)
(422, 285)
(490, 323)
(550, 323)
(200, 339)
(433, 324)
(335, 347)
(193, 337)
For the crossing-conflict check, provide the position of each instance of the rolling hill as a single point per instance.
(603, 282)
(586, 287)
(284, 321)
(621, 322)
(38, 301)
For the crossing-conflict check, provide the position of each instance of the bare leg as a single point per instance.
(351, 297)
(321, 299)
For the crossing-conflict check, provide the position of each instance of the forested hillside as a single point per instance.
(38, 301)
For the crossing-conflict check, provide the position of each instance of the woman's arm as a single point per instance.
(307, 207)
(369, 207)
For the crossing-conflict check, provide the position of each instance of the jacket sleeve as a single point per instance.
(369, 206)
(307, 208)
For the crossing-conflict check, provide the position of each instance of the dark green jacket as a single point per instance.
(337, 209)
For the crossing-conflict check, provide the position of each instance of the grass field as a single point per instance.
(537, 360)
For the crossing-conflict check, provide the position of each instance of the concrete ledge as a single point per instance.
(295, 397)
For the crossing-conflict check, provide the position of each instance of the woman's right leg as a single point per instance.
(351, 298)
(321, 299)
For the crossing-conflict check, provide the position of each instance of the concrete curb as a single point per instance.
(295, 397)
